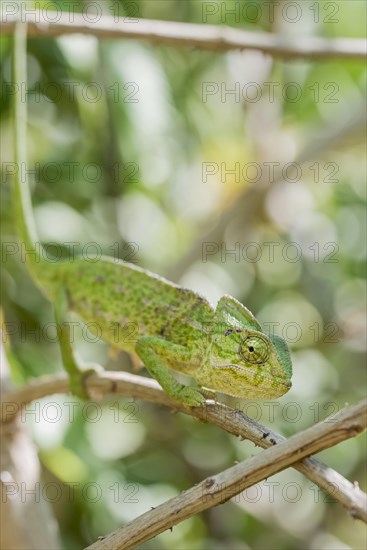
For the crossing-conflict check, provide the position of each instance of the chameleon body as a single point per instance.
(173, 328)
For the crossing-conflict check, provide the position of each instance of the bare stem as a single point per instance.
(223, 486)
(231, 420)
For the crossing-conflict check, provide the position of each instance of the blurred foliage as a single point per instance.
(119, 133)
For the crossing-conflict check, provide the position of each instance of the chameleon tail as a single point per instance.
(22, 198)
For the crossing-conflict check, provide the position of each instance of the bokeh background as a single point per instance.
(143, 150)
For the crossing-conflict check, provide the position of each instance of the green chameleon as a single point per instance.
(223, 349)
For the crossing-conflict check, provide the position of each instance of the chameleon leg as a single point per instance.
(155, 353)
(77, 375)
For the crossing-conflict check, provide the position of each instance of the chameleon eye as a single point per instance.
(255, 350)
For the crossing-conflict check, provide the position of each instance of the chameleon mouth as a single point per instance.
(252, 383)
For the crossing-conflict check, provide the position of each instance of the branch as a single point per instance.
(205, 37)
(231, 420)
(225, 485)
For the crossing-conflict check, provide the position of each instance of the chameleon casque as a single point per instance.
(223, 349)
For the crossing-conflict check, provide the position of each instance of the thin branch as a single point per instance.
(202, 36)
(225, 485)
(231, 420)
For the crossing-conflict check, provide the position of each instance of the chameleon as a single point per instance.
(223, 349)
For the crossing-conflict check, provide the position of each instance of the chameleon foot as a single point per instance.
(190, 397)
(77, 382)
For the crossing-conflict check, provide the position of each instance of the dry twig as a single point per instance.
(230, 420)
(223, 486)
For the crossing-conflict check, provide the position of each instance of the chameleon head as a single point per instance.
(249, 363)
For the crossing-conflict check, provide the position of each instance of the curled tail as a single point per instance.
(24, 219)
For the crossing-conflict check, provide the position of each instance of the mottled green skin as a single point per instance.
(172, 328)
(169, 326)
(140, 303)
